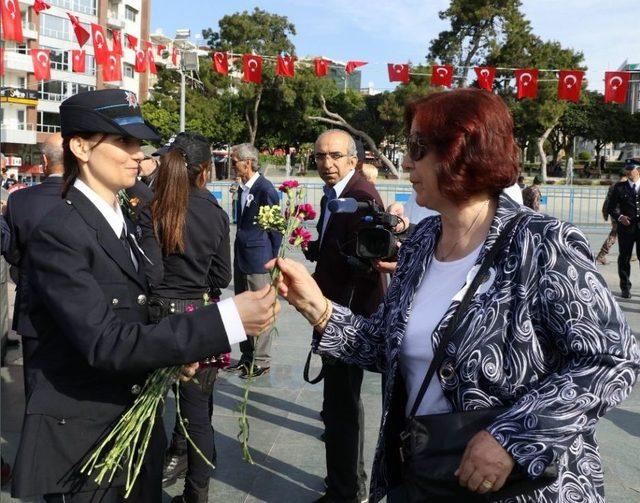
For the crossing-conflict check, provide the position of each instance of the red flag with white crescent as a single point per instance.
(616, 85)
(11, 20)
(485, 76)
(78, 60)
(117, 42)
(82, 35)
(398, 73)
(41, 64)
(321, 66)
(112, 68)
(352, 65)
(160, 48)
(100, 48)
(252, 68)
(221, 62)
(141, 61)
(527, 82)
(570, 85)
(442, 75)
(286, 66)
(132, 42)
(151, 60)
(39, 6)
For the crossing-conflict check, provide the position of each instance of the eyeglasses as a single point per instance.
(336, 156)
(416, 149)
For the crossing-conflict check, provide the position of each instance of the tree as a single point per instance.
(262, 33)
(606, 122)
(476, 27)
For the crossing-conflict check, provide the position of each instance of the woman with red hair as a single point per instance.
(500, 343)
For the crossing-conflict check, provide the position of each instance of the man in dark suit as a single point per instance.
(253, 248)
(624, 208)
(349, 281)
(25, 209)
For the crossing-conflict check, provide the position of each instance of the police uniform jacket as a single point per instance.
(625, 201)
(88, 308)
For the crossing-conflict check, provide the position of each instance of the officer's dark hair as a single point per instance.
(170, 202)
(71, 165)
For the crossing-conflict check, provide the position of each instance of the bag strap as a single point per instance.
(479, 278)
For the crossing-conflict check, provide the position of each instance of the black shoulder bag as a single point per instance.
(432, 445)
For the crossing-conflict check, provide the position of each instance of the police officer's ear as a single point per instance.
(81, 148)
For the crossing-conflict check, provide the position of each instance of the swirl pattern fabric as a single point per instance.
(544, 337)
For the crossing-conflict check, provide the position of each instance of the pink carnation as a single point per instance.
(288, 185)
(305, 211)
(300, 236)
(189, 308)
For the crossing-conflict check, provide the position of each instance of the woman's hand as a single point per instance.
(485, 464)
(188, 371)
(297, 286)
(257, 309)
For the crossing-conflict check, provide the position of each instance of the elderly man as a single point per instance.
(253, 248)
(349, 281)
(25, 209)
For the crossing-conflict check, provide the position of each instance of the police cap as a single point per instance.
(193, 145)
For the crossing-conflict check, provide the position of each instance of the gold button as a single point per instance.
(114, 302)
(142, 300)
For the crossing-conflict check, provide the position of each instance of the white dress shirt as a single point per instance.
(114, 217)
(339, 189)
(246, 187)
(635, 186)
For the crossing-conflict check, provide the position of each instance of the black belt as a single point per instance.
(160, 307)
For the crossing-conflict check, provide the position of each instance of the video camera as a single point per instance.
(377, 238)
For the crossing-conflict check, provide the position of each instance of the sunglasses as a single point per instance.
(416, 149)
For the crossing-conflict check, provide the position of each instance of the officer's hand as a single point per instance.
(257, 309)
(384, 267)
(624, 220)
(188, 371)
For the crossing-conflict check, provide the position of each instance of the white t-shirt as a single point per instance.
(440, 284)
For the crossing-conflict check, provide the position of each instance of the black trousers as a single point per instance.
(627, 238)
(343, 416)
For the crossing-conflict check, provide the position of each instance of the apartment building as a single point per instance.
(30, 108)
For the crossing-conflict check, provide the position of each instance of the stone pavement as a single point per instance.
(285, 422)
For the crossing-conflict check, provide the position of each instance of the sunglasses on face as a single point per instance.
(416, 148)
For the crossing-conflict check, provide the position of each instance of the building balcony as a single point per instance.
(29, 31)
(113, 21)
(18, 62)
(15, 132)
(48, 128)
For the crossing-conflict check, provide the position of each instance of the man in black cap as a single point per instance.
(624, 208)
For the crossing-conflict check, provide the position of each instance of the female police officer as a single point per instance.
(89, 296)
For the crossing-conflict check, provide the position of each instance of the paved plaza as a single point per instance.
(285, 421)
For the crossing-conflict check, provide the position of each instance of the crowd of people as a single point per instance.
(497, 338)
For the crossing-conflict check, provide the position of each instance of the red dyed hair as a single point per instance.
(471, 133)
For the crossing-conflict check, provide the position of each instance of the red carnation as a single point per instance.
(288, 185)
(300, 236)
(305, 211)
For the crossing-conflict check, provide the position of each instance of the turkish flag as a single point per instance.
(221, 62)
(141, 61)
(78, 60)
(100, 48)
(132, 42)
(398, 73)
(485, 75)
(1, 61)
(352, 65)
(112, 69)
(569, 85)
(527, 82)
(285, 66)
(117, 42)
(39, 6)
(441, 75)
(321, 66)
(41, 64)
(151, 61)
(11, 20)
(81, 34)
(616, 85)
(252, 68)
(160, 48)
(174, 56)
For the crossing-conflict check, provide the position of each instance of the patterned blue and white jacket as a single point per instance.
(543, 336)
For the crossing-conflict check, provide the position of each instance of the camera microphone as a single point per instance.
(346, 205)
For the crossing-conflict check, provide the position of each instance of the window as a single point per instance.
(20, 116)
(55, 27)
(90, 65)
(52, 90)
(22, 82)
(22, 49)
(130, 13)
(84, 6)
(128, 70)
(59, 59)
(48, 122)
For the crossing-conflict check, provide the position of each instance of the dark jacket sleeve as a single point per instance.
(219, 275)
(5, 236)
(64, 280)
(614, 203)
(10, 238)
(153, 270)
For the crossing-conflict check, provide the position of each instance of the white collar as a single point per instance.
(55, 175)
(250, 182)
(112, 214)
(339, 187)
(634, 184)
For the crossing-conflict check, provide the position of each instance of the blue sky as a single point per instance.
(396, 31)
